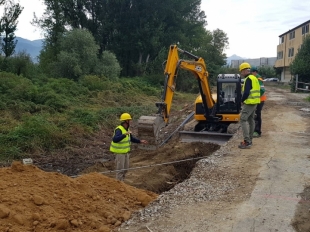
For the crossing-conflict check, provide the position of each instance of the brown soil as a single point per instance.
(34, 200)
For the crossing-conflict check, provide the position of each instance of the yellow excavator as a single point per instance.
(213, 113)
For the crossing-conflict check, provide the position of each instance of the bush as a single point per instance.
(93, 83)
(20, 64)
(33, 134)
(108, 66)
(84, 117)
(66, 87)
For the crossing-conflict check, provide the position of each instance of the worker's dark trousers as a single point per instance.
(258, 118)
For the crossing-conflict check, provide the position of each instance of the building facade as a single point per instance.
(259, 62)
(289, 44)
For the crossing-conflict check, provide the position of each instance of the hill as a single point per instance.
(233, 57)
(32, 47)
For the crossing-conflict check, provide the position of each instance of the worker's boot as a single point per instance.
(245, 144)
(256, 135)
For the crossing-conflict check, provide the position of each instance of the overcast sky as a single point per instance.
(252, 26)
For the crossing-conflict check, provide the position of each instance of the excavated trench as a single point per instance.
(181, 171)
(157, 171)
(168, 166)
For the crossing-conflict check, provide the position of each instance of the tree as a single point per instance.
(79, 56)
(53, 25)
(267, 72)
(8, 25)
(300, 64)
(134, 30)
(108, 66)
(212, 50)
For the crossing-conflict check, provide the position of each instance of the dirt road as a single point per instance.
(264, 188)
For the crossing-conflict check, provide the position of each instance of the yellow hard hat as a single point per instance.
(244, 66)
(125, 116)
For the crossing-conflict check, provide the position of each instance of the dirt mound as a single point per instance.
(34, 200)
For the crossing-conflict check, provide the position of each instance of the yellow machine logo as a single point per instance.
(198, 68)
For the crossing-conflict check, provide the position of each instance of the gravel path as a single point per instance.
(254, 189)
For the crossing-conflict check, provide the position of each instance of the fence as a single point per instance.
(299, 85)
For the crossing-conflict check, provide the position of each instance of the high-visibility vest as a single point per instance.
(254, 97)
(263, 97)
(123, 146)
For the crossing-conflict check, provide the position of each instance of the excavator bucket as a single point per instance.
(204, 136)
(148, 129)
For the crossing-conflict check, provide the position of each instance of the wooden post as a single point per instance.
(296, 84)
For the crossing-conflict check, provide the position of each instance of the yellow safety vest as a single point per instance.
(254, 97)
(123, 146)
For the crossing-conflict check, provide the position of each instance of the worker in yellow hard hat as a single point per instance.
(120, 145)
(250, 99)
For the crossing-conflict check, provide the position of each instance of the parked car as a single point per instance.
(272, 79)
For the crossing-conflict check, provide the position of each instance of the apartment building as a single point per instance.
(289, 44)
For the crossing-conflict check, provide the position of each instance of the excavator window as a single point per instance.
(229, 94)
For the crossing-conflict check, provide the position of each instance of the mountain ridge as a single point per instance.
(33, 48)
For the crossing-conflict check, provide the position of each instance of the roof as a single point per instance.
(295, 28)
(229, 75)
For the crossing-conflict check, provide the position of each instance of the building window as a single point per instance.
(290, 52)
(281, 40)
(305, 29)
(280, 55)
(292, 35)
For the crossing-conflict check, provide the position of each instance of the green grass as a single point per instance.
(40, 115)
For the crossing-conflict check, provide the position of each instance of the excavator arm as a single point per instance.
(197, 67)
(149, 126)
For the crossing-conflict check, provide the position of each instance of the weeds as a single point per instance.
(40, 114)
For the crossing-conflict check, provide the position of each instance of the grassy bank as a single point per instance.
(42, 114)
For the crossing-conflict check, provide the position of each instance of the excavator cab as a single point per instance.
(227, 105)
(229, 94)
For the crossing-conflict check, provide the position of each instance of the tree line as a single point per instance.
(118, 38)
(136, 31)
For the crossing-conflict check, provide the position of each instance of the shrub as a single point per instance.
(20, 64)
(93, 83)
(34, 133)
(108, 66)
(84, 117)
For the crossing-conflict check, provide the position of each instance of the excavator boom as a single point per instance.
(197, 67)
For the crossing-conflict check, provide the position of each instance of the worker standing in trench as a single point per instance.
(120, 145)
